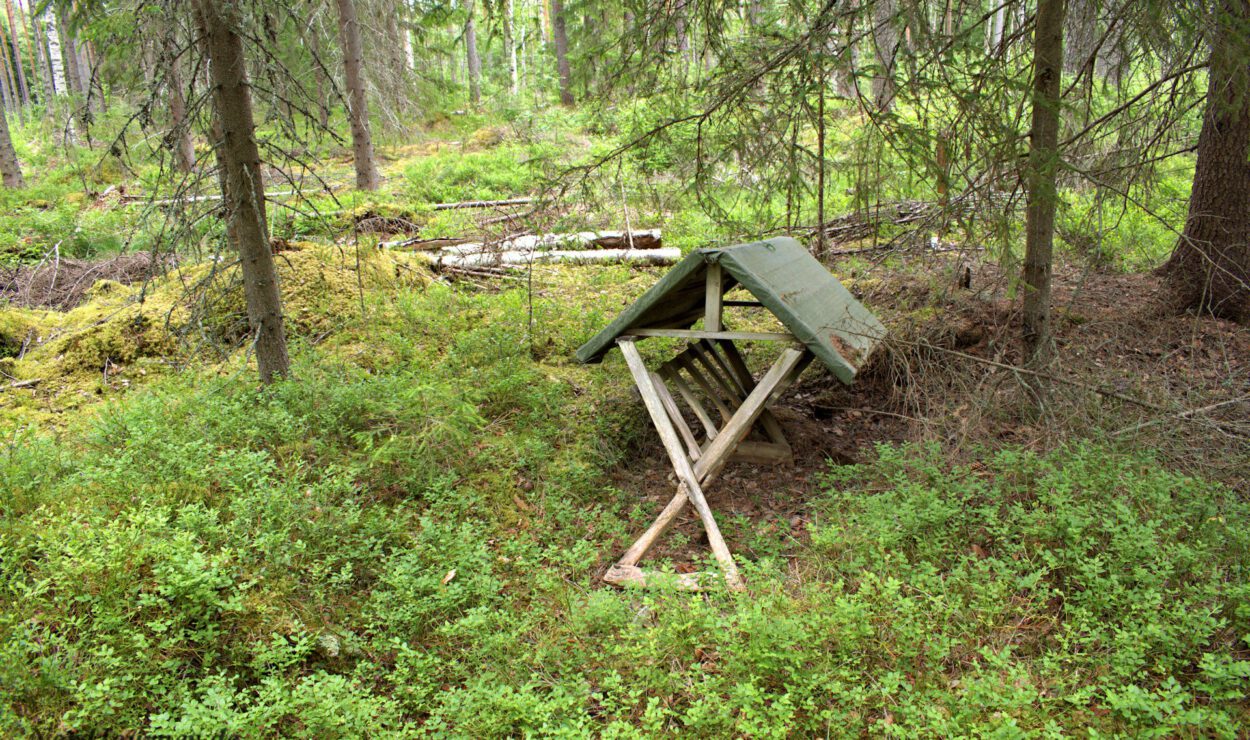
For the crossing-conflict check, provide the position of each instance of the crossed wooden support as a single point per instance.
(717, 369)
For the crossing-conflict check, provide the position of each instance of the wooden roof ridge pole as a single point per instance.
(779, 377)
(681, 463)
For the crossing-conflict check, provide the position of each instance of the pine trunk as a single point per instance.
(1042, 172)
(38, 56)
(11, 99)
(561, 39)
(244, 192)
(358, 105)
(10, 170)
(1210, 266)
(23, 87)
(885, 41)
(179, 128)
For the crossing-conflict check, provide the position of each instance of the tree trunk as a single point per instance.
(885, 41)
(23, 86)
(38, 56)
(561, 39)
(95, 85)
(69, 54)
(1042, 172)
(11, 97)
(321, 82)
(10, 170)
(244, 192)
(179, 129)
(358, 105)
(510, 48)
(821, 242)
(55, 58)
(1210, 266)
(472, 60)
(73, 79)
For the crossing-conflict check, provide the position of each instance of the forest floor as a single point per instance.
(408, 538)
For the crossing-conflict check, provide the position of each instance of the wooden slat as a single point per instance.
(762, 453)
(779, 377)
(692, 369)
(738, 365)
(670, 373)
(718, 371)
(699, 334)
(681, 463)
(674, 413)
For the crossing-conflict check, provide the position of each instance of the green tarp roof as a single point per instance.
(818, 310)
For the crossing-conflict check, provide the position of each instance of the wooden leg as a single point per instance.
(681, 463)
(713, 459)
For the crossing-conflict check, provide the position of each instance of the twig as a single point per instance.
(1182, 415)
(1038, 374)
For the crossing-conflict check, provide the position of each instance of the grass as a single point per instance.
(405, 539)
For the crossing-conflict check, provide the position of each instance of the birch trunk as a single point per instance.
(55, 59)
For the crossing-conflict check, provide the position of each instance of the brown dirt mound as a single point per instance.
(61, 284)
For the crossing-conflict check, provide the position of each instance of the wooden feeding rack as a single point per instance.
(711, 387)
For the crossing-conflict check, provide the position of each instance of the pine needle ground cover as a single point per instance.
(406, 540)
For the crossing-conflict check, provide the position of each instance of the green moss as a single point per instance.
(122, 335)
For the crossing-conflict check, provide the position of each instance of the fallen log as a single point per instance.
(642, 239)
(419, 243)
(483, 204)
(133, 199)
(662, 256)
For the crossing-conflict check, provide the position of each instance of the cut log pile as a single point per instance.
(584, 247)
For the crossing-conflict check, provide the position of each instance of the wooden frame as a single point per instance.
(704, 402)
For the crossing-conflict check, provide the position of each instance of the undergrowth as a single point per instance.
(406, 540)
